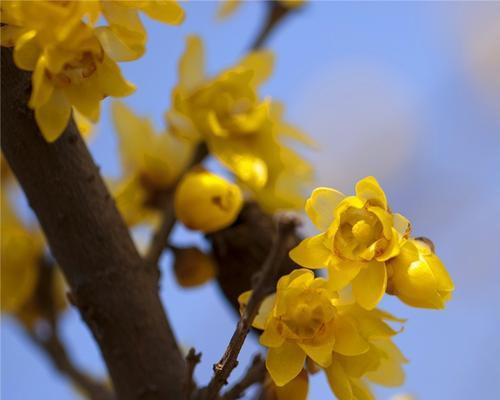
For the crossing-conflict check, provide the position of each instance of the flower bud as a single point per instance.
(207, 202)
(192, 267)
(418, 277)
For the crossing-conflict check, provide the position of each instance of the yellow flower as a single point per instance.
(229, 7)
(243, 131)
(21, 251)
(418, 277)
(360, 234)
(207, 202)
(151, 164)
(193, 267)
(73, 62)
(301, 320)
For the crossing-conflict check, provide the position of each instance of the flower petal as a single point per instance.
(312, 252)
(321, 354)
(370, 284)
(342, 273)
(27, 51)
(348, 341)
(338, 381)
(166, 11)
(192, 64)
(320, 207)
(261, 63)
(285, 363)
(271, 337)
(53, 116)
(368, 189)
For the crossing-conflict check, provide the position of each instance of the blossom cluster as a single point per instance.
(332, 323)
(72, 57)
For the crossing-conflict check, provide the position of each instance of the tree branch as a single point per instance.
(264, 285)
(256, 373)
(276, 13)
(192, 360)
(113, 288)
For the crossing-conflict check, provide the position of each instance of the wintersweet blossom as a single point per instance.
(207, 202)
(242, 130)
(305, 320)
(73, 61)
(151, 164)
(359, 235)
(192, 267)
(418, 277)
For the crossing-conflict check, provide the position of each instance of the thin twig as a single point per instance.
(264, 285)
(55, 350)
(160, 236)
(276, 13)
(192, 360)
(256, 373)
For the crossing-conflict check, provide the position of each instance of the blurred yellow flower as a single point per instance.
(229, 7)
(73, 62)
(21, 253)
(296, 389)
(151, 164)
(360, 234)
(418, 277)
(207, 202)
(242, 131)
(192, 267)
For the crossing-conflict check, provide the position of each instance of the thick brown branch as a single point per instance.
(256, 373)
(264, 284)
(112, 286)
(160, 236)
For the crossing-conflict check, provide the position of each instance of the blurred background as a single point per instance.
(407, 92)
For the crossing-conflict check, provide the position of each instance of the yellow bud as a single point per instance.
(207, 202)
(193, 267)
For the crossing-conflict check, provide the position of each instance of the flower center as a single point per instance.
(362, 232)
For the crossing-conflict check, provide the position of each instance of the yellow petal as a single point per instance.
(370, 284)
(192, 64)
(261, 63)
(227, 8)
(264, 311)
(338, 381)
(271, 336)
(360, 390)
(111, 81)
(320, 207)
(166, 11)
(320, 353)
(385, 219)
(53, 116)
(42, 86)
(390, 372)
(340, 274)
(312, 252)
(86, 98)
(348, 341)
(296, 389)
(368, 189)
(401, 224)
(285, 363)
(118, 45)
(9, 35)
(27, 51)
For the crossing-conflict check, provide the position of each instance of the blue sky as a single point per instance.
(407, 92)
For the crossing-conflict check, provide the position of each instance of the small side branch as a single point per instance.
(56, 352)
(264, 285)
(192, 360)
(160, 236)
(256, 373)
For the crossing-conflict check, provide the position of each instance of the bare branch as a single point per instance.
(256, 373)
(192, 360)
(160, 236)
(264, 285)
(276, 14)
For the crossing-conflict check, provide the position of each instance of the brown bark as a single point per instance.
(114, 289)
